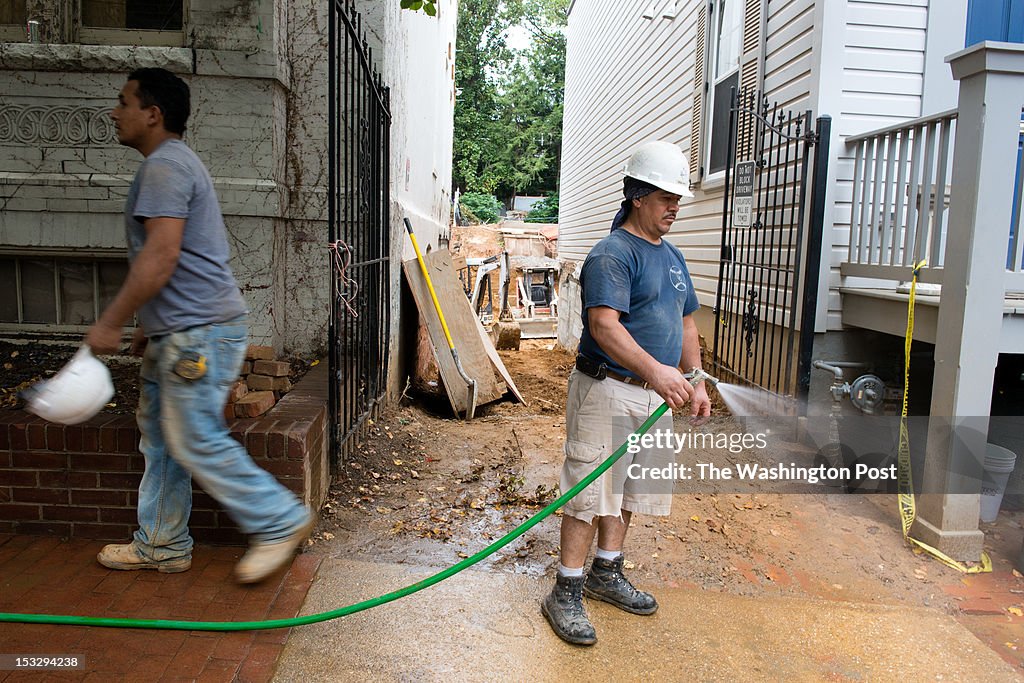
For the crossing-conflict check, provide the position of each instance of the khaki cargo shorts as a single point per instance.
(600, 415)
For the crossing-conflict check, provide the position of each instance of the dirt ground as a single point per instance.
(25, 363)
(428, 489)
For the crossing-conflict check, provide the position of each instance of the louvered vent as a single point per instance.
(697, 112)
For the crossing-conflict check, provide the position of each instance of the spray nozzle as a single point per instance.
(697, 375)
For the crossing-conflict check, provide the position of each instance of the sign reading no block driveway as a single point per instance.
(743, 199)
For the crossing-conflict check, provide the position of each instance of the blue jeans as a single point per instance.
(184, 435)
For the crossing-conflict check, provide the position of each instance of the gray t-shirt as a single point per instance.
(172, 182)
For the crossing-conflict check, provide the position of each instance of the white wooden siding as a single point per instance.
(787, 76)
(882, 84)
(628, 80)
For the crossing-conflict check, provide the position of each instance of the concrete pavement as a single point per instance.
(486, 625)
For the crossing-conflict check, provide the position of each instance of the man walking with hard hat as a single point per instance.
(638, 330)
(194, 319)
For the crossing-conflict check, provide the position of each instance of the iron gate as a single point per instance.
(359, 124)
(768, 247)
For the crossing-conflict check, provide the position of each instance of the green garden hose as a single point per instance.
(168, 624)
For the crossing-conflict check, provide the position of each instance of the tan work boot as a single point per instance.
(263, 559)
(127, 556)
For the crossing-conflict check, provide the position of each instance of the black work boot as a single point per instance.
(563, 608)
(605, 581)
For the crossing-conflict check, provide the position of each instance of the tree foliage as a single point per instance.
(544, 211)
(428, 6)
(485, 207)
(508, 113)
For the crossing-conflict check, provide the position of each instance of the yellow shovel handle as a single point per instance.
(430, 285)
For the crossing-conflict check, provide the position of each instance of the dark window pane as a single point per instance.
(37, 291)
(159, 16)
(163, 15)
(8, 291)
(720, 122)
(13, 12)
(112, 276)
(76, 293)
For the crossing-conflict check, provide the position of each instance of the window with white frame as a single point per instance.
(94, 22)
(723, 76)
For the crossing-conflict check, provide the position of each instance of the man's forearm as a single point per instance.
(690, 358)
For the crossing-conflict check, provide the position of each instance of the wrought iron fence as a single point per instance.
(770, 253)
(359, 226)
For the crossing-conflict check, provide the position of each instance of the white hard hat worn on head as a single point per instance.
(661, 164)
(75, 394)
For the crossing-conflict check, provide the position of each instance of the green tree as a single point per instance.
(427, 6)
(508, 113)
(530, 110)
(544, 211)
(485, 207)
(480, 54)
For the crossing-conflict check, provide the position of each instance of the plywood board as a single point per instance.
(462, 324)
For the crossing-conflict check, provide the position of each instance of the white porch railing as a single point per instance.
(900, 203)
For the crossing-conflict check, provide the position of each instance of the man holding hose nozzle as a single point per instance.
(638, 329)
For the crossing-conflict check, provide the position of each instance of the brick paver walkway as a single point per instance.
(45, 575)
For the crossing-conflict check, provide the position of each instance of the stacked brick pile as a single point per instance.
(262, 383)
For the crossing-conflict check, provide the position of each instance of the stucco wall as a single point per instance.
(415, 53)
(258, 73)
(67, 191)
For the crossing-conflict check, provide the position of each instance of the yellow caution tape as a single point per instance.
(908, 508)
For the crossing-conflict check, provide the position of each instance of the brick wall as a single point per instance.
(82, 480)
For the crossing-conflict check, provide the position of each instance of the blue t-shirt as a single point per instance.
(649, 285)
(172, 182)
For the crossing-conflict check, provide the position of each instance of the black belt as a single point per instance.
(592, 368)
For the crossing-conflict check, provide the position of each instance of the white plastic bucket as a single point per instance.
(998, 465)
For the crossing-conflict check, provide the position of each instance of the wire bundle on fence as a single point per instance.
(341, 259)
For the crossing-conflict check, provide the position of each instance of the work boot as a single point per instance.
(563, 608)
(263, 559)
(127, 556)
(605, 581)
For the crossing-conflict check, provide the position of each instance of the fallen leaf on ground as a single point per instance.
(1015, 611)
(695, 518)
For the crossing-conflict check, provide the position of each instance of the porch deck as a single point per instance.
(884, 309)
